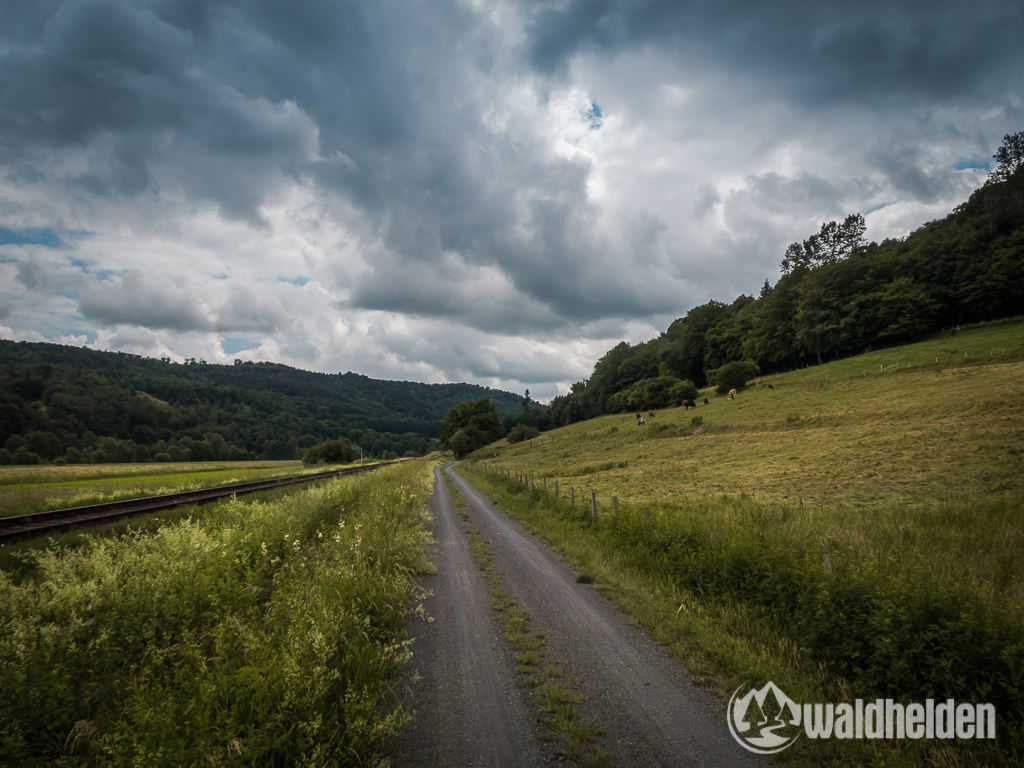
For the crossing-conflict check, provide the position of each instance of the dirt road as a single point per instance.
(471, 709)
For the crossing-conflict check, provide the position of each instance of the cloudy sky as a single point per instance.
(463, 190)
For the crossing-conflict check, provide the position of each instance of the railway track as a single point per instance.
(18, 527)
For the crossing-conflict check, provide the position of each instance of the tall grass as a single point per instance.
(258, 634)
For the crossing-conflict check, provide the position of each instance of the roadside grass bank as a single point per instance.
(34, 488)
(262, 633)
(740, 597)
(554, 697)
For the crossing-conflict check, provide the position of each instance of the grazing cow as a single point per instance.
(650, 414)
(770, 387)
(688, 404)
(641, 421)
(706, 401)
(732, 393)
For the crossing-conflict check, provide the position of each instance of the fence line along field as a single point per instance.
(259, 633)
(851, 533)
(36, 488)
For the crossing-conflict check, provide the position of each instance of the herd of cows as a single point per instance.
(687, 404)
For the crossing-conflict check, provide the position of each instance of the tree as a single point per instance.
(1009, 158)
(735, 375)
(832, 243)
(469, 426)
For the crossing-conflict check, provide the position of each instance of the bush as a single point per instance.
(521, 432)
(331, 452)
(735, 375)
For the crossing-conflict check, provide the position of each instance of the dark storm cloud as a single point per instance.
(492, 172)
(872, 51)
(126, 98)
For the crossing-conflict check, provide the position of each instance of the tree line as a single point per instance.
(837, 296)
(72, 405)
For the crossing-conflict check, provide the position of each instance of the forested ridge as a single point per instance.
(63, 403)
(837, 296)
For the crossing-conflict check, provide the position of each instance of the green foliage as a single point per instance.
(735, 375)
(469, 426)
(260, 634)
(837, 297)
(522, 432)
(1009, 157)
(88, 407)
(331, 452)
(647, 394)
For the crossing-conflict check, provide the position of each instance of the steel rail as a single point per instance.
(17, 527)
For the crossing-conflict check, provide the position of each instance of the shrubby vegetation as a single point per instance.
(734, 375)
(838, 296)
(85, 406)
(331, 452)
(521, 432)
(469, 426)
(258, 634)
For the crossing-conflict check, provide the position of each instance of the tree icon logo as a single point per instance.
(763, 720)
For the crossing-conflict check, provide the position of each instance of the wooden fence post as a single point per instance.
(593, 504)
(615, 505)
(556, 489)
(572, 496)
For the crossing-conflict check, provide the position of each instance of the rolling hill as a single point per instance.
(80, 405)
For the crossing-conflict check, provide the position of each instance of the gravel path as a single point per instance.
(472, 712)
(470, 708)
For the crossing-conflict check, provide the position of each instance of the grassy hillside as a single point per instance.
(854, 529)
(854, 433)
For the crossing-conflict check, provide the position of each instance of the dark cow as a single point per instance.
(706, 401)
(688, 404)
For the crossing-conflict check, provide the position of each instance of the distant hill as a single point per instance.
(81, 405)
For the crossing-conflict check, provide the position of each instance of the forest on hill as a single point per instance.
(838, 296)
(69, 404)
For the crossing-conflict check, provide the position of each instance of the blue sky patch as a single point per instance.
(232, 345)
(296, 281)
(963, 165)
(45, 236)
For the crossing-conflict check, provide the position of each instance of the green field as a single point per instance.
(855, 527)
(259, 633)
(34, 488)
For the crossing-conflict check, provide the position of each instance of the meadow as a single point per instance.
(259, 633)
(854, 530)
(36, 488)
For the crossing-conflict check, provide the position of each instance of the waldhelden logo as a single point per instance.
(765, 720)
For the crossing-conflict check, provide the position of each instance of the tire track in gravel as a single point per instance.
(650, 713)
(470, 708)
